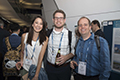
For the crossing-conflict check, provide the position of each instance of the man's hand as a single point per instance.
(73, 64)
(62, 59)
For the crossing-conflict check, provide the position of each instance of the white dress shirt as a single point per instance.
(53, 44)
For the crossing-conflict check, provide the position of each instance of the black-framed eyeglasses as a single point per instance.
(60, 18)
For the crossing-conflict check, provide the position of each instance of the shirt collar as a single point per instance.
(91, 37)
(14, 34)
(58, 32)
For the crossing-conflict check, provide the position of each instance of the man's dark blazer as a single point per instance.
(3, 34)
(99, 32)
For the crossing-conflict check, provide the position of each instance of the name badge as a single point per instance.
(82, 68)
(28, 62)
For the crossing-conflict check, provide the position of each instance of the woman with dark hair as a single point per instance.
(33, 44)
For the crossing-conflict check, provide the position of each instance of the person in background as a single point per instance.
(58, 40)
(24, 30)
(33, 44)
(88, 63)
(46, 26)
(15, 41)
(77, 34)
(3, 34)
(95, 26)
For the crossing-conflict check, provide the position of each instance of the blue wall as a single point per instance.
(108, 31)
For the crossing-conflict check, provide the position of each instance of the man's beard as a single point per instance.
(59, 27)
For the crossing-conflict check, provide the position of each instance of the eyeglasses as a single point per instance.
(60, 18)
(83, 25)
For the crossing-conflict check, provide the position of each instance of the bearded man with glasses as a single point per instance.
(59, 68)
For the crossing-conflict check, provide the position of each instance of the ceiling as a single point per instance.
(20, 11)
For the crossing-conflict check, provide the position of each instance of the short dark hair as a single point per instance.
(59, 11)
(14, 27)
(96, 22)
(24, 27)
(82, 18)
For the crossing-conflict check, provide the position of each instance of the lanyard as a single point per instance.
(33, 49)
(59, 43)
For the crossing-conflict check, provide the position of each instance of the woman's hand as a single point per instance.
(19, 65)
(35, 78)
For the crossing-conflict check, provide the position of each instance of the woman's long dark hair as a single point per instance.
(42, 33)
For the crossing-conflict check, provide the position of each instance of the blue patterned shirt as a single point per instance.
(98, 63)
